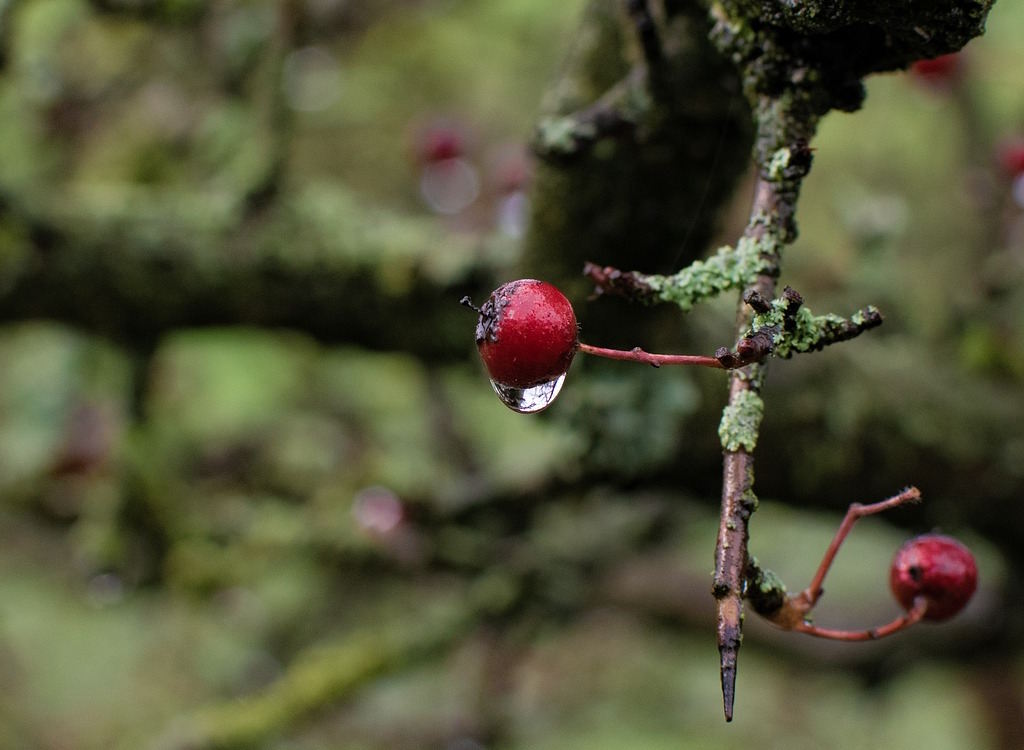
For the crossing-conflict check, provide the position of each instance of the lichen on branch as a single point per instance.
(741, 420)
(730, 268)
(794, 329)
(617, 112)
(766, 592)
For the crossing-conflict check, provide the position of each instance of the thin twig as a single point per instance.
(631, 285)
(902, 622)
(813, 592)
(655, 360)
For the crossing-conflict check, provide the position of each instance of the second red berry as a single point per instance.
(938, 568)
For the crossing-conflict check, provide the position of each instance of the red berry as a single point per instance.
(938, 568)
(526, 333)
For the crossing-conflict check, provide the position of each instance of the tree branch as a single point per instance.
(614, 114)
(798, 62)
(324, 674)
(133, 263)
(771, 226)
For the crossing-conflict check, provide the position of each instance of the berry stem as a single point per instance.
(809, 597)
(902, 622)
(655, 360)
(467, 302)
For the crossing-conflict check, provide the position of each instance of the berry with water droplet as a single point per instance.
(526, 335)
(938, 568)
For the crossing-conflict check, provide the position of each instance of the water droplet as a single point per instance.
(529, 400)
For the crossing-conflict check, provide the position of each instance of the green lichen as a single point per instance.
(741, 420)
(810, 332)
(765, 591)
(773, 318)
(778, 164)
(561, 135)
(749, 501)
(803, 331)
(862, 317)
(729, 268)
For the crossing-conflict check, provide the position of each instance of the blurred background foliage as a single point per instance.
(255, 490)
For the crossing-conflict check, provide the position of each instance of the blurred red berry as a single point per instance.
(940, 70)
(1011, 156)
(938, 568)
(440, 141)
(88, 442)
(511, 169)
(526, 333)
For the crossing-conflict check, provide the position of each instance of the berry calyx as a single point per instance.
(938, 569)
(526, 334)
